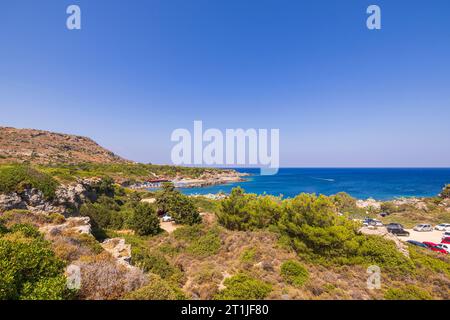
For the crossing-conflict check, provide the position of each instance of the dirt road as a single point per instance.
(432, 236)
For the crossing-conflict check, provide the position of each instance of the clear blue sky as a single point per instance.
(340, 94)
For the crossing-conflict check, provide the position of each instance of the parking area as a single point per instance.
(431, 236)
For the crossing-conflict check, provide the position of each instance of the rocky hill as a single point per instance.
(43, 147)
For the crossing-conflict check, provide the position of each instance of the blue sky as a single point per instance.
(340, 94)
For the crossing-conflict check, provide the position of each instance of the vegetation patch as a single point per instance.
(17, 178)
(29, 269)
(408, 292)
(294, 273)
(244, 287)
(157, 289)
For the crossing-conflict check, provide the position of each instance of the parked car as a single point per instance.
(443, 227)
(430, 244)
(445, 247)
(167, 218)
(423, 228)
(397, 229)
(417, 243)
(439, 249)
(372, 222)
(446, 240)
(446, 234)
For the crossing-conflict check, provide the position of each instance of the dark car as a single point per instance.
(397, 229)
(417, 243)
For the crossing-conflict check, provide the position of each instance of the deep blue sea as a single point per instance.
(377, 183)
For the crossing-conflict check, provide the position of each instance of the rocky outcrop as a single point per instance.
(11, 201)
(80, 225)
(417, 203)
(119, 250)
(67, 201)
(369, 204)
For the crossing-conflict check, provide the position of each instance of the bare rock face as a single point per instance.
(119, 250)
(382, 232)
(415, 202)
(11, 201)
(369, 203)
(68, 199)
(81, 225)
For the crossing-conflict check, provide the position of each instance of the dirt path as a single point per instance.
(168, 226)
(432, 236)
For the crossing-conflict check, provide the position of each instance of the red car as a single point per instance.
(430, 244)
(446, 240)
(433, 246)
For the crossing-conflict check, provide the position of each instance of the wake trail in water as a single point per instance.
(324, 179)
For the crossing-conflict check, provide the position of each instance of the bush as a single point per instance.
(17, 178)
(384, 253)
(46, 289)
(248, 256)
(158, 289)
(106, 213)
(144, 220)
(29, 268)
(153, 262)
(345, 203)
(408, 292)
(242, 211)
(244, 287)
(294, 273)
(180, 207)
(104, 279)
(206, 245)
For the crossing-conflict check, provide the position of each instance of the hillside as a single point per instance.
(43, 147)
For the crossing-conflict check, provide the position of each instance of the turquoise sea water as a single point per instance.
(381, 184)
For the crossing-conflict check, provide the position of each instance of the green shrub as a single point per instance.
(430, 261)
(144, 220)
(408, 292)
(17, 178)
(294, 273)
(384, 253)
(27, 230)
(189, 233)
(153, 262)
(244, 287)
(107, 213)
(157, 289)
(345, 203)
(248, 255)
(180, 207)
(46, 289)
(242, 211)
(29, 268)
(206, 245)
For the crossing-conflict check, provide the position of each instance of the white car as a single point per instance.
(372, 223)
(446, 234)
(444, 246)
(167, 218)
(423, 228)
(443, 227)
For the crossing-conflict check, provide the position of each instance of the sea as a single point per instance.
(361, 183)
